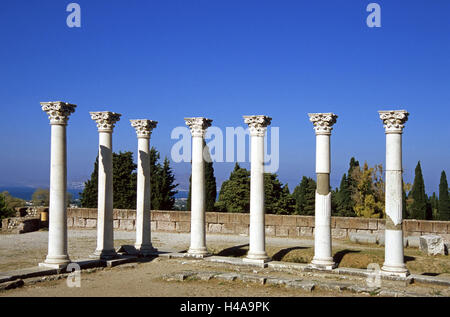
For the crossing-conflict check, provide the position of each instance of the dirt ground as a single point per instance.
(148, 278)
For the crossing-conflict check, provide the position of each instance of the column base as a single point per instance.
(323, 264)
(257, 257)
(146, 250)
(397, 270)
(198, 253)
(104, 254)
(56, 262)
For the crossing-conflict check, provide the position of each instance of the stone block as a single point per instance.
(373, 224)
(223, 218)
(339, 233)
(358, 223)
(93, 213)
(211, 217)
(122, 214)
(242, 229)
(363, 238)
(305, 221)
(153, 225)
(91, 223)
(84, 213)
(381, 224)
(215, 227)
(270, 231)
(166, 225)
(411, 226)
(282, 231)
(432, 244)
(274, 220)
(333, 222)
(126, 224)
(79, 222)
(228, 228)
(289, 220)
(426, 226)
(160, 216)
(306, 231)
(440, 226)
(116, 224)
(342, 223)
(131, 214)
(294, 231)
(70, 222)
(183, 226)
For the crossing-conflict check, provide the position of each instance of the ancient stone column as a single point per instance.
(198, 128)
(143, 235)
(105, 235)
(58, 113)
(257, 249)
(394, 263)
(323, 123)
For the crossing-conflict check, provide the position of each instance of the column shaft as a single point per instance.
(57, 237)
(198, 234)
(257, 249)
(105, 235)
(143, 234)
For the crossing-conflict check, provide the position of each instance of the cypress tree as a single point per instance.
(305, 196)
(418, 209)
(444, 200)
(344, 199)
(166, 191)
(89, 195)
(234, 195)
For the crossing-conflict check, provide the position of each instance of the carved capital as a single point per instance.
(58, 112)
(198, 125)
(323, 122)
(105, 120)
(257, 124)
(143, 127)
(394, 120)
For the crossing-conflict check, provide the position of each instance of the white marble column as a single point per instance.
(58, 113)
(144, 129)
(394, 263)
(105, 235)
(198, 128)
(257, 249)
(323, 125)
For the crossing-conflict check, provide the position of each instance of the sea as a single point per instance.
(26, 192)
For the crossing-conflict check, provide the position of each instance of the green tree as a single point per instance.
(305, 196)
(444, 200)
(41, 197)
(89, 195)
(277, 198)
(434, 203)
(418, 207)
(344, 201)
(5, 212)
(12, 202)
(234, 195)
(165, 191)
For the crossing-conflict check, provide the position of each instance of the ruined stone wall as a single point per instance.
(238, 224)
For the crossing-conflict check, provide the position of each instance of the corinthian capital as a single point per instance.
(394, 120)
(105, 120)
(257, 124)
(58, 111)
(323, 122)
(198, 125)
(143, 127)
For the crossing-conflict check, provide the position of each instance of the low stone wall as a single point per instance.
(238, 224)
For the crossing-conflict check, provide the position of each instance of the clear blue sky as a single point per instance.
(165, 60)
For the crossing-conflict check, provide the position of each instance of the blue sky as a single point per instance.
(166, 60)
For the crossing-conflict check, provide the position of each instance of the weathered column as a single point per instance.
(105, 235)
(198, 128)
(58, 113)
(323, 124)
(143, 202)
(394, 263)
(257, 249)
